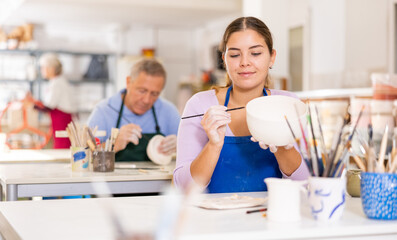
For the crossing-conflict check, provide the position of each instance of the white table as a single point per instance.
(28, 155)
(57, 179)
(87, 219)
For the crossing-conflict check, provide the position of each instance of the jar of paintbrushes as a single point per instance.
(379, 179)
(80, 153)
(327, 184)
(89, 154)
(103, 159)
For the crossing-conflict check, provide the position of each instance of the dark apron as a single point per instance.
(136, 152)
(242, 165)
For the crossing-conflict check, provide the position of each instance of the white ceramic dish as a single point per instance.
(153, 153)
(266, 121)
(232, 202)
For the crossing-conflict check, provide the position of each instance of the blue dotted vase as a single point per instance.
(379, 195)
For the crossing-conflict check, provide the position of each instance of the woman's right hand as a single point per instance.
(214, 123)
(128, 133)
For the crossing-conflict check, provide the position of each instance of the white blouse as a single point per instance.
(58, 94)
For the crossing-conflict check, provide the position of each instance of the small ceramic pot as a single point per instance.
(353, 182)
(379, 195)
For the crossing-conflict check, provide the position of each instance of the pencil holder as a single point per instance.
(379, 195)
(79, 159)
(327, 197)
(103, 161)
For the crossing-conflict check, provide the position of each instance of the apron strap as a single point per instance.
(230, 89)
(155, 120)
(121, 109)
(121, 114)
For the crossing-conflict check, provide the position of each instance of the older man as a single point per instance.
(139, 113)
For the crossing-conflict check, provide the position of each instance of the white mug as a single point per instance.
(283, 199)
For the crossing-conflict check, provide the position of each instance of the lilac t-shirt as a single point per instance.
(192, 137)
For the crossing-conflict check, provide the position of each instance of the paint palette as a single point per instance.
(153, 152)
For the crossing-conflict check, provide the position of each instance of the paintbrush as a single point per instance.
(308, 152)
(297, 143)
(316, 161)
(348, 145)
(358, 161)
(334, 148)
(199, 115)
(322, 142)
(257, 210)
(382, 151)
(393, 166)
(91, 135)
(371, 162)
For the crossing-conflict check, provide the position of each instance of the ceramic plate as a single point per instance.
(232, 202)
(153, 153)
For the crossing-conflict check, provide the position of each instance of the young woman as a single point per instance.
(216, 150)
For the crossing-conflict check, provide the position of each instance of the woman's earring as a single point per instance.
(271, 67)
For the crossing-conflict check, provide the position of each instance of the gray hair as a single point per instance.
(150, 66)
(51, 60)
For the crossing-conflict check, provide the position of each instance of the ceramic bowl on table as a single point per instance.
(379, 195)
(266, 121)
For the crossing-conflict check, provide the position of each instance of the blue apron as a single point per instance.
(242, 165)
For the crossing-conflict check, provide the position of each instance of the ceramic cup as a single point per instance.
(379, 195)
(283, 199)
(353, 178)
(79, 159)
(103, 161)
(326, 197)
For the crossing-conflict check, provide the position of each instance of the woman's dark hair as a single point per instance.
(241, 24)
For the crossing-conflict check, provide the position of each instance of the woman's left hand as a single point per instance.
(271, 147)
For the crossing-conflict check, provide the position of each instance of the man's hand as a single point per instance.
(128, 133)
(168, 145)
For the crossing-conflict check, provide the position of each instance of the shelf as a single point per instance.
(36, 84)
(90, 80)
(335, 93)
(16, 81)
(39, 52)
(73, 82)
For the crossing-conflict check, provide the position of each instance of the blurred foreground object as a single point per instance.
(23, 128)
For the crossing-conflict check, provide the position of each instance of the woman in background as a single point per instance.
(57, 97)
(216, 150)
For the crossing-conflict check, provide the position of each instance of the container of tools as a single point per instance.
(103, 161)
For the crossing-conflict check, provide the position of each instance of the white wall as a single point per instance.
(175, 49)
(275, 15)
(298, 11)
(349, 41)
(366, 40)
(327, 43)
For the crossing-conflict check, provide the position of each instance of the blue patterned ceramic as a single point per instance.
(379, 195)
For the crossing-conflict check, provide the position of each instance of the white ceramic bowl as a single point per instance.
(266, 121)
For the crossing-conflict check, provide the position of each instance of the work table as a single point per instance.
(88, 219)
